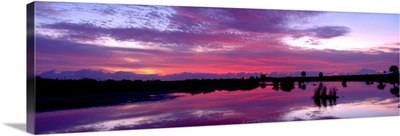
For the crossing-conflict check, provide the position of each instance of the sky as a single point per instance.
(77, 40)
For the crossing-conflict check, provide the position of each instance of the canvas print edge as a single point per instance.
(30, 69)
(30, 91)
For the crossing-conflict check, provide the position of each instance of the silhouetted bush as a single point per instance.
(394, 69)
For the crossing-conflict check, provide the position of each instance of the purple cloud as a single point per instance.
(322, 32)
(90, 32)
(313, 42)
(46, 9)
(209, 27)
(247, 20)
(327, 32)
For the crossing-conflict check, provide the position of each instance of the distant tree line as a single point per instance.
(68, 93)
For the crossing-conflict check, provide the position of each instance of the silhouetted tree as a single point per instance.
(394, 69)
(384, 72)
(321, 74)
(251, 78)
(303, 74)
(263, 76)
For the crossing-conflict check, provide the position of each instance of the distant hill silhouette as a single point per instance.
(98, 74)
(366, 71)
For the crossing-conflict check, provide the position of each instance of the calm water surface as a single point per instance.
(228, 107)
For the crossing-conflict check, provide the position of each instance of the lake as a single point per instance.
(216, 107)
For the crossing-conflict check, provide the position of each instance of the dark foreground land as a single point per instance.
(56, 94)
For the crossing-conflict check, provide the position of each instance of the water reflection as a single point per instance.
(321, 96)
(263, 85)
(381, 86)
(344, 83)
(286, 85)
(275, 85)
(263, 103)
(302, 85)
(369, 82)
(371, 107)
(395, 90)
(45, 105)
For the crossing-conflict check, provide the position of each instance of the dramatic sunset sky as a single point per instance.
(131, 40)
